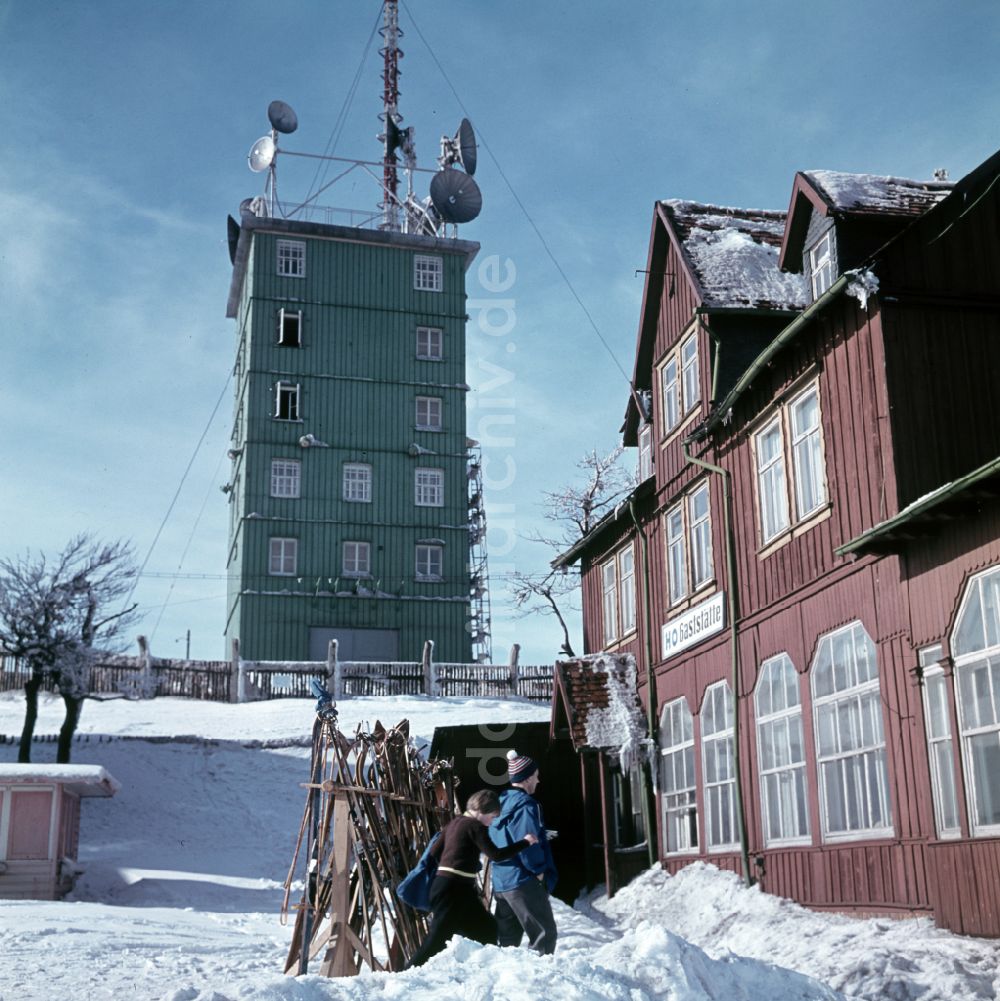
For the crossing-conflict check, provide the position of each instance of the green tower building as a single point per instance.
(349, 485)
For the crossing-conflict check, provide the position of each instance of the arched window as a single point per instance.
(975, 648)
(719, 769)
(677, 780)
(781, 753)
(850, 742)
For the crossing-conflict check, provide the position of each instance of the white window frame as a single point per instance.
(678, 782)
(428, 413)
(626, 589)
(780, 482)
(670, 394)
(291, 258)
(428, 487)
(609, 594)
(778, 711)
(290, 391)
(690, 373)
(808, 463)
(356, 559)
(690, 560)
(283, 554)
(677, 575)
(356, 483)
(940, 742)
(976, 655)
(645, 452)
(718, 763)
(857, 701)
(290, 320)
(286, 478)
(428, 272)
(430, 343)
(772, 488)
(821, 264)
(427, 557)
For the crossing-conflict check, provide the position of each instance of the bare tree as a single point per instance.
(52, 616)
(573, 512)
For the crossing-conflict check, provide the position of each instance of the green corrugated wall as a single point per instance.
(359, 378)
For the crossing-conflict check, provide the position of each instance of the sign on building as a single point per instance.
(694, 625)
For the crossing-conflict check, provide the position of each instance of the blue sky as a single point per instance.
(126, 126)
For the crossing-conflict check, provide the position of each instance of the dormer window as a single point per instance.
(821, 267)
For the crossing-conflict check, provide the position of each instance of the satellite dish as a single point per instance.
(281, 117)
(393, 137)
(261, 154)
(466, 139)
(456, 196)
(233, 228)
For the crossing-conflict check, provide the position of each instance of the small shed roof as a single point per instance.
(596, 699)
(83, 780)
(733, 254)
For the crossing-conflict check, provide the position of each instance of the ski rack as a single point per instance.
(372, 806)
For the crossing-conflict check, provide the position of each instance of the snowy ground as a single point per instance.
(184, 868)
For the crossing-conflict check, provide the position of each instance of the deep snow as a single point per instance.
(184, 867)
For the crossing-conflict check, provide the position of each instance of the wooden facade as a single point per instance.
(845, 431)
(40, 826)
(332, 372)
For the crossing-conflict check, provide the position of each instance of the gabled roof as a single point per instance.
(941, 215)
(930, 513)
(596, 699)
(842, 195)
(733, 256)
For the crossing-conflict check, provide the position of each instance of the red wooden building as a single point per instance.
(809, 571)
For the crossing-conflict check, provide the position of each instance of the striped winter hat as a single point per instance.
(520, 766)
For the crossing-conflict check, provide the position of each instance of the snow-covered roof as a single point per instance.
(84, 780)
(602, 704)
(873, 194)
(734, 255)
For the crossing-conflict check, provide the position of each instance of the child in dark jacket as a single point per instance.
(455, 903)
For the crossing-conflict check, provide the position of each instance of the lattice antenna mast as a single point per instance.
(391, 54)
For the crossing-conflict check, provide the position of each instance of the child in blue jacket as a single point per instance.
(522, 884)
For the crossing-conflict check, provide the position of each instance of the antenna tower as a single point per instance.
(391, 54)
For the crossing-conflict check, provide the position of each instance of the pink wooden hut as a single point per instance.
(40, 826)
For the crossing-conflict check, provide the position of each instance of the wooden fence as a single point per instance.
(238, 680)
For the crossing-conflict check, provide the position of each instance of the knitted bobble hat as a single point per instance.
(520, 766)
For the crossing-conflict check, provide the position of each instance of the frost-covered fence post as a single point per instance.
(334, 674)
(237, 679)
(147, 683)
(430, 673)
(515, 651)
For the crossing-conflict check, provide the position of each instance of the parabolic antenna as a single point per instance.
(281, 117)
(261, 154)
(456, 196)
(466, 139)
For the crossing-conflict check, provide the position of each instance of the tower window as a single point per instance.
(357, 559)
(285, 477)
(430, 562)
(428, 273)
(290, 328)
(429, 413)
(286, 401)
(430, 343)
(429, 488)
(357, 482)
(291, 258)
(284, 557)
